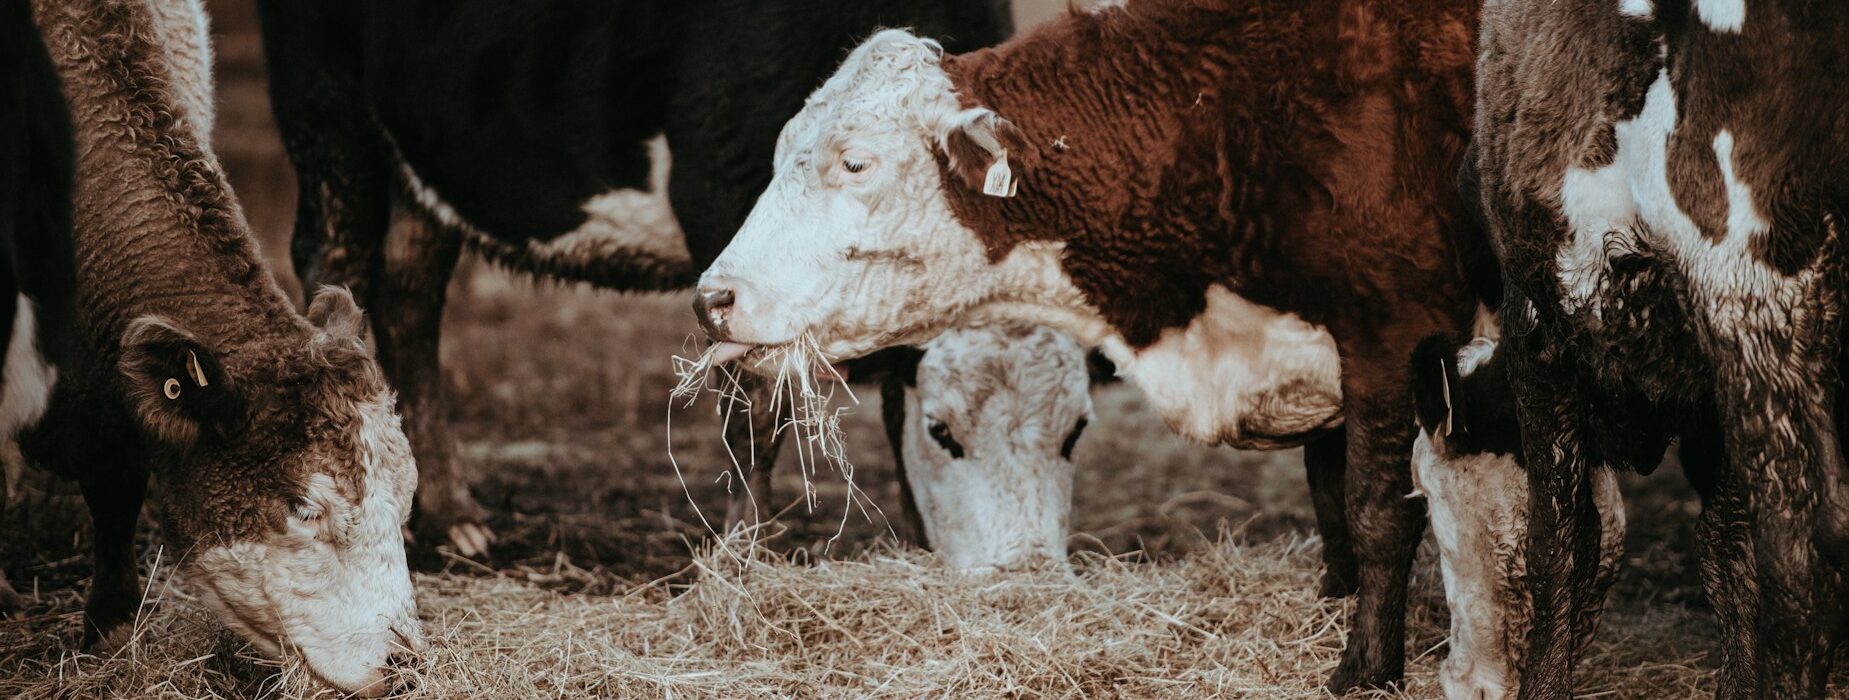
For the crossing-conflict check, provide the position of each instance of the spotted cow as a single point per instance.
(1249, 204)
(145, 338)
(1663, 181)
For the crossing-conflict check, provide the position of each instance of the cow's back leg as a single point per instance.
(752, 435)
(115, 591)
(407, 315)
(1765, 527)
(1723, 537)
(1567, 577)
(1386, 526)
(1325, 460)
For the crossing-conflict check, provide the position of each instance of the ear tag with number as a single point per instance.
(193, 368)
(1000, 180)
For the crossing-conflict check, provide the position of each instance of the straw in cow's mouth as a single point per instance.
(802, 385)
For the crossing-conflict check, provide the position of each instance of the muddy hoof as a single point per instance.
(1335, 585)
(1348, 678)
(471, 539)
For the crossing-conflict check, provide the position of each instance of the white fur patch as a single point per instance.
(1743, 219)
(617, 223)
(1478, 504)
(29, 381)
(1597, 205)
(335, 587)
(1637, 8)
(1011, 396)
(1726, 16)
(1474, 353)
(1239, 366)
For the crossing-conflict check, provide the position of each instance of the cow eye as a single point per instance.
(1072, 440)
(305, 510)
(853, 166)
(941, 433)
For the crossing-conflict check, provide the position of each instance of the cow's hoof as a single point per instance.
(471, 539)
(1335, 585)
(109, 640)
(12, 604)
(1348, 678)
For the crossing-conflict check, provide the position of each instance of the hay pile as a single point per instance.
(1232, 620)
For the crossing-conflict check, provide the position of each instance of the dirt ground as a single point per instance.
(559, 395)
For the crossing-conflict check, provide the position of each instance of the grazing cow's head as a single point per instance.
(285, 481)
(990, 424)
(854, 241)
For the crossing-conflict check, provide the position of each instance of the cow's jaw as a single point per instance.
(344, 600)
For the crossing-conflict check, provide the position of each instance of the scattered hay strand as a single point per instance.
(800, 395)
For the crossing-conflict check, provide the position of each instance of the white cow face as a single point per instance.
(854, 241)
(989, 433)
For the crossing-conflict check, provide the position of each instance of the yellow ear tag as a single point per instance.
(1445, 375)
(172, 388)
(193, 368)
(1000, 180)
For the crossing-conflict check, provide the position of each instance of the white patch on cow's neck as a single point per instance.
(1474, 353)
(618, 223)
(344, 601)
(1239, 366)
(29, 380)
(1726, 16)
(1637, 8)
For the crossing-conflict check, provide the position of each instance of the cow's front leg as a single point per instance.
(407, 313)
(1386, 527)
(1325, 459)
(115, 590)
(1767, 566)
(1564, 540)
(753, 436)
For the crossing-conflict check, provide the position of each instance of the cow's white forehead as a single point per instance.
(893, 79)
(1008, 368)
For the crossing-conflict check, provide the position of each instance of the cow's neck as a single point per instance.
(157, 230)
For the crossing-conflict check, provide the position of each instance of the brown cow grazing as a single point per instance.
(1665, 182)
(1249, 204)
(148, 339)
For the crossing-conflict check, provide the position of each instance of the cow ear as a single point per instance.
(1101, 369)
(1437, 390)
(177, 390)
(900, 363)
(987, 153)
(336, 313)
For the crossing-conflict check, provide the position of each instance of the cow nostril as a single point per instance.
(711, 306)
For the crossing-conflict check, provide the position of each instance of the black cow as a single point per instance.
(527, 132)
(1665, 185)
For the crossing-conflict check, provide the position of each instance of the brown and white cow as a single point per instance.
(1665, 184)
(149, 340)
(1249, 204)
(983, 420)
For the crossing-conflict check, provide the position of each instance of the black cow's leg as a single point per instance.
(1724, 535)
(752, 434)
(407, 314)
(1563, 554)
(892, 415)
(1325, 459)
(115, 590)
(1386, 527)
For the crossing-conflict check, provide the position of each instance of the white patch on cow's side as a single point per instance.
(29, 380)
(1239, 366)
(1597, 205)
(334, 586)
(1637, 8)
(1743, 219)
(618, 223)
(1010, 395)
(1722, 15)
